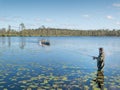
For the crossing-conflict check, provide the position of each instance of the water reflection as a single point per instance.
(22, 42)
(9, 41)
(3, 40)
(99, 80)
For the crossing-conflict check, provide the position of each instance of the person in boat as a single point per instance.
(42, 41)
(100, 59)
(45, 42)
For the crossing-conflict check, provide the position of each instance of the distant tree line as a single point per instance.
(43, 31)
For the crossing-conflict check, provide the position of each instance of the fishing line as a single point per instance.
(78, 52)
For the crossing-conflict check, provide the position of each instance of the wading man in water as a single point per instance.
(100, 64)
(100, 59)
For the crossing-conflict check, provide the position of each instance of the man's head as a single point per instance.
(100, 50)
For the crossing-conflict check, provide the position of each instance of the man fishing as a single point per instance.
(100, 74)
(100, 59)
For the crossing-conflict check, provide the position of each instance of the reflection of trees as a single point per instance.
(22, 42)
(9, 41)
(100, 80)
(3, 40)
(2, 44)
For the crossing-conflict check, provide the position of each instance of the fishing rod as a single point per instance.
(85, 54)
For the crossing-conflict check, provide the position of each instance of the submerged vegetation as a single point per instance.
(34, 76)
(43, 31)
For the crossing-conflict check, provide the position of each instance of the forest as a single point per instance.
(43, 31)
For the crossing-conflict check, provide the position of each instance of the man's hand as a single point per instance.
(94, 57)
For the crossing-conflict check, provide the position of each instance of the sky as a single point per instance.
(68, 14)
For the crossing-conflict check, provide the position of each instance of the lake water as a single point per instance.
(64, 65)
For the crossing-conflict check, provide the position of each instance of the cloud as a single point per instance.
(109, 17)
(116, 5)
(86, 16)
(4, 19)
(70, 26)
(10, 19)
(49, 20)
(37, 19)
(43, 20)
(118, 23)
(30, 25)
(17, 18)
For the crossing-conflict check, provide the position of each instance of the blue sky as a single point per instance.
(69, 14)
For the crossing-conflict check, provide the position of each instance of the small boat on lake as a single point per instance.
(44, 42)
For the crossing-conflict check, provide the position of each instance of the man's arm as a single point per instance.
(95, 57)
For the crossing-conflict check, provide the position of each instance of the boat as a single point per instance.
(44, 42)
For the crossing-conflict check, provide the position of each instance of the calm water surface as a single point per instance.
(65, 64)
